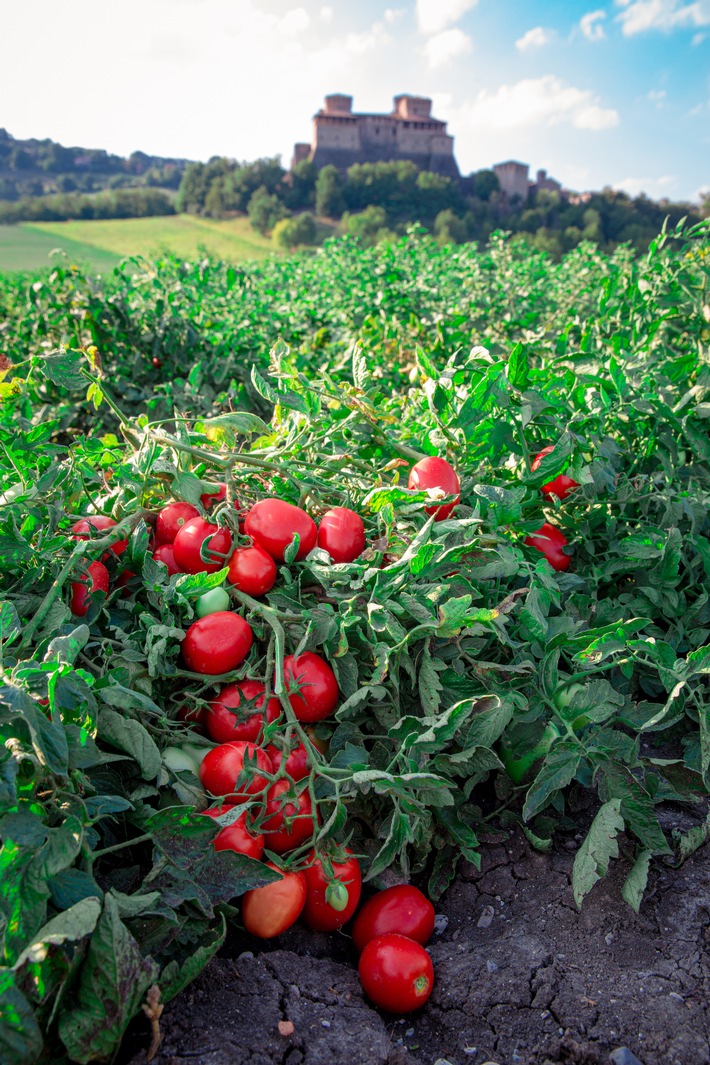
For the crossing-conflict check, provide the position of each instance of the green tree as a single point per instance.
(295, 231)
(450, 228)
(299, 192)
(265, 210)
(329, 193)
(369, 225)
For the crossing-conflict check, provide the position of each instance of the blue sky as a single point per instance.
(614, 93)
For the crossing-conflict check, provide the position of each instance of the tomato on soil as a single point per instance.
(331, 900)
(82, 593)
(188, 546)
(561, 486)
(252, 570)
(208, 499)
(222, 765)
(217, 643)
(289, 821)
(312, 687)
(165, 554)
(224, 726)
(236, 837)
(171, 519)
(396, 973)
(273, 523)
(297, 762)
(435, 472)
(91, 527)
(549, 540)
(402, 909)
(342, 534)
(268, 911)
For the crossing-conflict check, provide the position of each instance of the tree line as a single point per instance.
(120, 203)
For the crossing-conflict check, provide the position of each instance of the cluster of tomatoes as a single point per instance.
(548, 538)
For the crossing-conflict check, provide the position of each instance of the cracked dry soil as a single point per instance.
(521, 977)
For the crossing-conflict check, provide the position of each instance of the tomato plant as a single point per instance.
(252, 570)
(342, 534)
(298, 763)
(271, 910)
(210, 499)
(550, 541)
(222, 766)
(199, 540)
(396, 973)
(274, 523)
(402, 909)
(217, 643)
(333, 890)
(312, 687)
(437, 473)
(171, 519)
(82, 591)
(561, 486)
(236, 837)
(87, 529)
(224, 726)
(290, 818)
(165, 554)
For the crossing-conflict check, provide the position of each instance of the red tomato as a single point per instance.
(402, 909)
(331, 902)
(91, 527)
(224, 726)
(396, 973)
(268, 911)
(124, 577)
(435, 472)
(342, 534)
(550, 541)
(313, 684)
(164, 553)
(217, 643)
(297, 763)
(194, 715)
(289, 821)
(252, 570)
(209, 498)
(561, 486)
(171, 520)
(273, 523)
(222, 765)
(236, 837)
(157, 362)
(82, 592)
(188, 546)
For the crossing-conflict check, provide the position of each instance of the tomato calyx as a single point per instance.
(421, 985)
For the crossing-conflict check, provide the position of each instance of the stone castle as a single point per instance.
(342, 137)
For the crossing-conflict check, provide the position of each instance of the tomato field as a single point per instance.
(407, 543)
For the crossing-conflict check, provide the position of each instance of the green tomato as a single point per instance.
(563, 696)
(336, 895)
(212, 601)
(179, 761)
(519, 766)
(195, 753)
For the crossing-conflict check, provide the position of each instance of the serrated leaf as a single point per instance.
(637, 880)
(132, 738)
(558, 770)
(64, 368)
(600, 846)
(175, 977)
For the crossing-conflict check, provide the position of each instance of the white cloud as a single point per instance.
(591, 25)
(326, 13)
(545, 101)
(433, 16)
(392, 14)
(446, 46)
(656, 188)
(534, 38)
(698, 38)
(657, 96)
(295, 21)
(639, 16)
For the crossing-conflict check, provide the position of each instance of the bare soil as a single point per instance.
(522, 978)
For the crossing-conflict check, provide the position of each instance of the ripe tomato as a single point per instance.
(331, 900)
(561, 486)
(166, 555)
(91, 527)
(236, 837)
(402, 909)
(290, 820)
(297, 763)
(268, 911)
(82, 592)
(396, 973)
(550, 541)
(124, 577)
(209, 498)
(157, 362)
(435, 472)
(273, 523)
(171, 520)
(188, 546)
(222, 765)
(342, 534)
(224, 726)
(217, 643)
(252, 570)
(312, 687)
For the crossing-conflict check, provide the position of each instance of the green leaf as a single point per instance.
(114, 980)
(518, 367)
(133, 738)
(75, 923)
(21, 1040)
(64, 368)
(558, 770)
(600, 846)
(9, 623)
(225, 429)
(637, 880)
(175, 977)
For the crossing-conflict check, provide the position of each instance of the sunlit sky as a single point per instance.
(614, 93)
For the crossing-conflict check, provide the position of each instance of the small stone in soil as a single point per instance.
(441, 923)
(623, 1056)
(486, 918)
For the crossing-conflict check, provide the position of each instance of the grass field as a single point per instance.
(102, 244)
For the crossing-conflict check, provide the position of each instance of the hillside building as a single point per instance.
(342, 137)
(513, 178)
